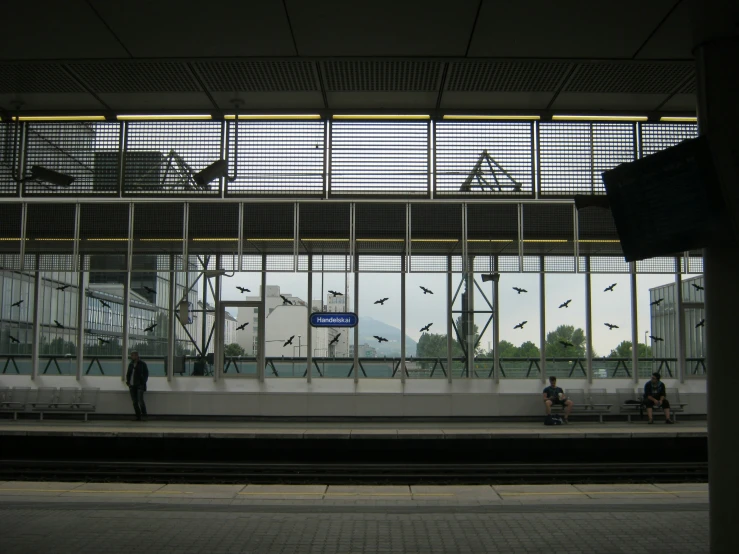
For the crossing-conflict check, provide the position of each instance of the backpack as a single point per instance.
(553, 419)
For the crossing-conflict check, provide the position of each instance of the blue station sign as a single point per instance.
(335, 319)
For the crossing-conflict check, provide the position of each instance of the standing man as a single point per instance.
(655, 397)
(555, 395)
(136, 377)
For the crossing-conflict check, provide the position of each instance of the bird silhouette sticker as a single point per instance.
(242, 290)
(17, 304)
(149, 290)
(425, 290)
(565, 343)
(288, 341)
(59, 325)
(519, 291)
(104, 304)
(62, 287)
(150, 328)
(697, 287)
(425, 328)
(656, 339)
(610, 288)
(242, 326)
(286, 300)
(611, 326)
(380, 339)
(13, 339)
(701, 323)
(335, 293)
(381, 301)
(656, 302)
(565, 304)
(103, 341)
(334, 340)
(520, 325)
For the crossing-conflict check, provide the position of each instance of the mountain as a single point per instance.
(368, 327)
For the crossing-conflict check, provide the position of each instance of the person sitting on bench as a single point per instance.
(555, 395)
(655, 397)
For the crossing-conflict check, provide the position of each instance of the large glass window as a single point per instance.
(520, 320)
(566, 334)
(611, 320)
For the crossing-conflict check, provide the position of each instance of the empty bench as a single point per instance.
(593, 403)
(14, 399)
(631, 402)
(65, 399)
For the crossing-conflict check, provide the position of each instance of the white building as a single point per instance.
(196, 328)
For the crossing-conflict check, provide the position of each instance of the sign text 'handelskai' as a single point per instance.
(336, 319)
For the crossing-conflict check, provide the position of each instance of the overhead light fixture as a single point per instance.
(381, 116)
(678, 119)
(214, 171)
(39, 173)
(273, 116)
(599, 118)
(490, 277)
(493, 117)
(60, 118)
(160, 117)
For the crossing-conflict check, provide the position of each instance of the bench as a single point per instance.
(594, 403)
(65, 399)
(14, 400)
(626, 404)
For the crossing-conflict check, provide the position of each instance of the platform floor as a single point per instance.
(349, 430)
(122, 518)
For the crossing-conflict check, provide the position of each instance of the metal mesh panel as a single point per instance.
(158, 227)
(331, 262)
(484, 159)
(435, 229)
(50, 228)
(324, 228)
(656, 265)
(251, 263)
(163, 157)
(103, 227)
(280, 263)
(55, 262)
(608, 264)
(380, 264)
(572, 156)
(492, 229)
(380, 229)
(277, 158)
(695, 264)
(379, 157)
(8, 158)
(104, 263)
(430, 264)
(509, 264)
(88, 152)
(213, 227)
(658, 136)
(10, 227)
(548, 229)
(12, 261)
(268, 228)
(531, 264)
(558, 264)
(382, 75)
(597, 232)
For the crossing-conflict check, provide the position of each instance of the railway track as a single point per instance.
(355, 473)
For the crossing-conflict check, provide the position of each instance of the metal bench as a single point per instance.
(14, 400)
(630, 402)
(65, 399)
(584, 403)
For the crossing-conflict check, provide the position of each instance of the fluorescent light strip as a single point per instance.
(60, 118)
(159, 117)
(676, 119)
(108, 240)
(599, 241)
(493, 117)
(559, 241)
(216, 240)
(381, 116)
(160, 240)
(599, 118)
(273, 116)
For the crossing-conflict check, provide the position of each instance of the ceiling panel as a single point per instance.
(381, 75)
(630, 77)
(274, 101)
(52, 102)
(506, 76)
(36, 78)
(583, 101)
(154, 102)
(681, 103)
(171, 28)
(50, 29)
(496, 100)
(382, 100)
(566, 28)
(258, 75)
(382, 27)
(673, 39)
(135, 76)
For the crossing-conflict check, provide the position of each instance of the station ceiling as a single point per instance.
(329, 56)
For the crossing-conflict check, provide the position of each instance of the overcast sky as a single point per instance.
(608, 307)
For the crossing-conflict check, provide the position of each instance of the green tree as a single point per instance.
(566, 333)
(506, 350)
(461, 334)
(623, 350)
(528, 350)
(234, 350)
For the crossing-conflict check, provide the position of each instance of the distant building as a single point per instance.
(196, 328)
(365, 351)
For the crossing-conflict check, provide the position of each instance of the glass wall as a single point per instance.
(520, 319)
(566, 336)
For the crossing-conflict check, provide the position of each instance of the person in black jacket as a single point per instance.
(136, 377)
(655, 397)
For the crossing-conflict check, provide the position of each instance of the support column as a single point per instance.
(588, 321)
(356, 328)
(449, 319)
(542, 325)
(496, 325)
(81, 321)
(126, 295)
(716, 36)
(402, 326)
(262, 319)
(309, 327)
(171, 318)
(680, 319)
(35, 337)
(634, 327)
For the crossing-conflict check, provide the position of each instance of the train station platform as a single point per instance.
(88, 517)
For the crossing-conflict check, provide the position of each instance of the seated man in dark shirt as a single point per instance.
(655, 397)
(555, 395)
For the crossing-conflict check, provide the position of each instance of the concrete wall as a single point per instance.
(341, 397)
